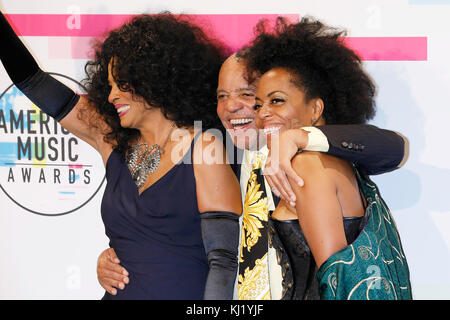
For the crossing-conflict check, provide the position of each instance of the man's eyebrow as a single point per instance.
(246, 89)
(238, 90)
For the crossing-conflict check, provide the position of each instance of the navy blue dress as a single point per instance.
(157, 234)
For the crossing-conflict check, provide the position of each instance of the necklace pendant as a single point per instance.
(143, 162)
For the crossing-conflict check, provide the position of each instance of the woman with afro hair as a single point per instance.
(173, 227)
(339, 241)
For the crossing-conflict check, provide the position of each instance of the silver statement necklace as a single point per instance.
(143, 160)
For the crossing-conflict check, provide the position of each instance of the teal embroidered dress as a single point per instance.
(374, 266)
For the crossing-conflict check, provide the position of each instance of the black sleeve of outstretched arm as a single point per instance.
(373, 149)
(50, 95)
(220, 233)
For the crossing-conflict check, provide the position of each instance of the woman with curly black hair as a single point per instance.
(339, 225)
(150, 80)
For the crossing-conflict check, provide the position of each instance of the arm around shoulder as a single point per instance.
(374, 149)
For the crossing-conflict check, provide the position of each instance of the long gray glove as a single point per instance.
(220, 233)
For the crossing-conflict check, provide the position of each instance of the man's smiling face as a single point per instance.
(235, 102)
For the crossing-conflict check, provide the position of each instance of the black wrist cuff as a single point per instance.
(50, 95)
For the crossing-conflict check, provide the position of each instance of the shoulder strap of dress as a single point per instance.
(359, 180)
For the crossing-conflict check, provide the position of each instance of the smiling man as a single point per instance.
(374, 150)
(235, 101)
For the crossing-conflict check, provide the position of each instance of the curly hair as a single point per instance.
(321, 65)
(166, 60)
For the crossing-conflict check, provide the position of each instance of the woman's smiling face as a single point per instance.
(130, 107)
(281, 104)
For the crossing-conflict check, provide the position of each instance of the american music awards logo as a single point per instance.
(44, 169)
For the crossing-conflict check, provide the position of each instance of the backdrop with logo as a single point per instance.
(52, 183)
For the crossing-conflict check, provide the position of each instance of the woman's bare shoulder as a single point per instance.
(310, 162)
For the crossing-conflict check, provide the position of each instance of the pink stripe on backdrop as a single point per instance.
(389, 48)
(235, 30)
(65, 25)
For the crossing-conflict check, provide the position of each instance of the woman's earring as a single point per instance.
(313, 122)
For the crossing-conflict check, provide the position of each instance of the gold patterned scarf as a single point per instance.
(253, 278)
